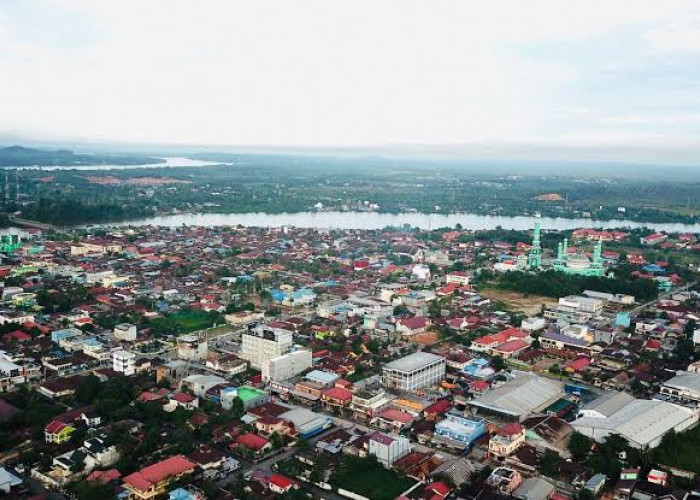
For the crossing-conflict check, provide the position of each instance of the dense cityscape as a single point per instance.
(332, 250)
(238, 362)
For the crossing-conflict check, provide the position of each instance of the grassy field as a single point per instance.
(368, 478)
(528, 304)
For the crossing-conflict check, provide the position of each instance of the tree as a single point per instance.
(498, 363)
(579, 445)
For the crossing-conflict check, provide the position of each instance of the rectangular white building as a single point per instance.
(264, 343)
(388, 449)
(286, 366)
(415, 371)
(126, 332)
(124, 362)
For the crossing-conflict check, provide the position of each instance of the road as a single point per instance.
(641, 307)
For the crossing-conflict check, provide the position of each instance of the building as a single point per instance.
(126, 332)
(577, 263)
(152, 481)
(124, 362)
(192, 348)
(388, 449)
(264, 343)
(642, 422)
(519, 397)
(306, 422)
(508, 439)
(459, 430)
(58, 432)
(459, 277)
(286, 366)
(684, 387)
(415, 371)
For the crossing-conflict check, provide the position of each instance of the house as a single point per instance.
(412, 326)
(252, 443)
(387, 449)
(336, 397)
(508, 439)
(281, 484)
(153, 480)
(58, 432)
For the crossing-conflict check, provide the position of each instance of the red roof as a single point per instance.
(55, 426)
(182, 397)
(338, 393)
(439, 488)
(439, 406)
(252, 441)
(510, 429)
(512, 346)
(397, 415)
(414, 323)
(281, 481)
(153, 474)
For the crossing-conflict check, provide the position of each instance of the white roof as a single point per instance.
(413, 361)
(641, 421)
(525, 394)
(689, 381)
(609, 403)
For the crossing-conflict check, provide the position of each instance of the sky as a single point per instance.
(600, 78)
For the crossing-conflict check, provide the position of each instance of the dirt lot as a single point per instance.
(426, 338)
(528, 304)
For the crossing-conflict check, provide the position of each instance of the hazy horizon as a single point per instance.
(545, 80)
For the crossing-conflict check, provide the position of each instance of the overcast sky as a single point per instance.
(585, 74)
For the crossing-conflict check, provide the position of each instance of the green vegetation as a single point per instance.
(556, 284)
(367, 477)
(184, 321)
(680, 450)
(18, 156)
(294, 183)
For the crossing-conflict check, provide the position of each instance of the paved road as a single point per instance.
(641, 307)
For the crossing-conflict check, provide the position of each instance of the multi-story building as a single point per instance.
(368, 401)
(460, 429)
(192, 348)
(124, 362)
(388, 449)
(415, 371)
(508, 439)
(153, 481)
(286, 366)
(264, 343)
(126, 332)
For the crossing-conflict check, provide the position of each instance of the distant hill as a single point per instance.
(19, 156)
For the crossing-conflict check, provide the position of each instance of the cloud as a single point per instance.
(320, 72)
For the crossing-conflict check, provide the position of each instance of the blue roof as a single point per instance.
(654, 268)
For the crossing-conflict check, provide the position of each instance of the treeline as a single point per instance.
(68, 211)
(557, 284)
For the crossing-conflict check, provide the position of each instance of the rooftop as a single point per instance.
(414, 361)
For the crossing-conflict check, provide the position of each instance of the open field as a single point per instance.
(528, 304)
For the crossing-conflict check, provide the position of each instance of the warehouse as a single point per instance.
(642, 422)
(516, 399)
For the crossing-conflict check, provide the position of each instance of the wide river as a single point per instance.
(168, 163)
(373, 220)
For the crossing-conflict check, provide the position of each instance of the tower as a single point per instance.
(598, 255)
(535, 257)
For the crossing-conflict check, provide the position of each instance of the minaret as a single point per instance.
(535, 260)
(598, 254)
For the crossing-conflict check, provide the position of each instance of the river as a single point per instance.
(169, 163)
(374, 220)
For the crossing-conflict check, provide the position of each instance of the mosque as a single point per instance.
(574, 264)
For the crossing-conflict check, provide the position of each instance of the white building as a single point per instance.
(124, 362)
(421, 272)
(642, 422)
(684, 387)
(126, 332)
(388, 449)
(264, 343)
(286, 366)
(415, 371)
